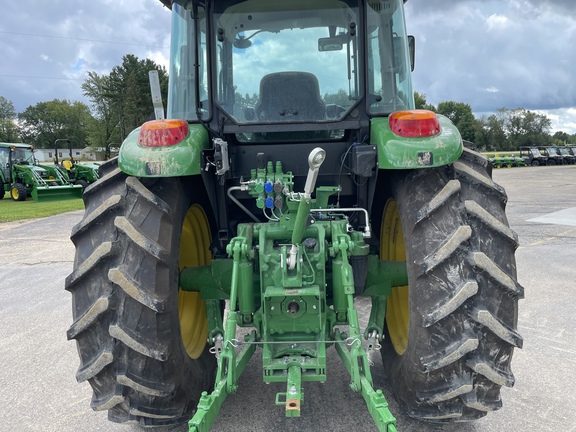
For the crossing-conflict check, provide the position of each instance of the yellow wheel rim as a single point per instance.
(15, 193)
(194, 251)
(392, 249)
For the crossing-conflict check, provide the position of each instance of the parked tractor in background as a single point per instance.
(293, 176)
(78, 173)
(22, 176)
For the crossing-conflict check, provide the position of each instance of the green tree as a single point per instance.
(421, 103)
(243, 102)
(45, 122)
(103, 130)
(524, 127)
(561, 138)
(490, 134)
(8, 127)
(128, 92)
(461, 115)
(121, 100)
(340, 98)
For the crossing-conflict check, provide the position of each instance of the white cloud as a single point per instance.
(487, 53)
(160, 58)
(496, 21)
(523, 51)
(563, 119)
(45, 40)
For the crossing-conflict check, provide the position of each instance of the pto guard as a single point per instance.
(396, 152)
(180, 159)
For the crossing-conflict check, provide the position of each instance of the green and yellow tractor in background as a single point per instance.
(291, 177)
(79, 173)
(22, 176)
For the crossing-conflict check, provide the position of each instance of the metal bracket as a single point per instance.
(218, 346)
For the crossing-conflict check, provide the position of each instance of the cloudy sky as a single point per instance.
(487, 53)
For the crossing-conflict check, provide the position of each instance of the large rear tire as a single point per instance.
(141, 341)
(450, 334)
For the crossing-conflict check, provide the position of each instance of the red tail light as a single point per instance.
(162, 133)
(414, 123)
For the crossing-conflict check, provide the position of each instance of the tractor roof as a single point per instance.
(19, 145)
(168, 3)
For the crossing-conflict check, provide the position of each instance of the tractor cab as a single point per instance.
(4, 164)
(22, 155)
(315, 68)
(248, 78)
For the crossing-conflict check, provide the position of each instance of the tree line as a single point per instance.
(507, 129)
(120, 102)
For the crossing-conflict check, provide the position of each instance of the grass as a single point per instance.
(11, 210)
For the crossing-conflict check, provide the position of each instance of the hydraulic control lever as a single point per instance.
(315, 159)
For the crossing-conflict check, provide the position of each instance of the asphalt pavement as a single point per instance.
(39, 392)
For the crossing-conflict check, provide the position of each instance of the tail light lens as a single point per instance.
(162, 133)
(414, 123)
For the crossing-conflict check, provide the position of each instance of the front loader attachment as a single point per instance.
(56, 193)
(55, 188)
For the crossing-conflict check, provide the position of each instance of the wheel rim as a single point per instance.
(194, 251)
(392, 249)
(15, 193)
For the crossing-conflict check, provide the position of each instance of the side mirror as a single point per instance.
(330, 44)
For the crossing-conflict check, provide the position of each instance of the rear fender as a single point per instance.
(182, 159)
(396, 152)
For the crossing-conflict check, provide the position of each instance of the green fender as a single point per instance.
(396, 152)
(181, 159)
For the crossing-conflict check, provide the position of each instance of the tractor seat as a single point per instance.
(290, 96)
(67, 164)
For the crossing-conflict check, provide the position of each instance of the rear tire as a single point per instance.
(450, 335)
(126, 298)
(535, 163)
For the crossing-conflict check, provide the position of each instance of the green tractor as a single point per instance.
(22, 176)
(78, 173)
(292, 177)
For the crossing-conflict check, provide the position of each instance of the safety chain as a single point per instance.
(236, 343)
